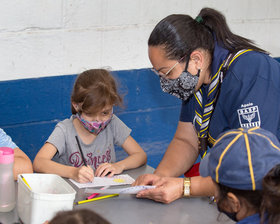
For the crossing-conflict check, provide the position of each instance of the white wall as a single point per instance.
(57, 37)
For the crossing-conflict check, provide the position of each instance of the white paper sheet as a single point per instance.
(106, 181)
(127, 190)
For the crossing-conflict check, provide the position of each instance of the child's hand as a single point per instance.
(84, 174)
(108, 169)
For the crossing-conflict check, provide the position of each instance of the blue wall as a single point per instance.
(30, 108)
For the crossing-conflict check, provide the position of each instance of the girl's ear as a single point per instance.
(75, 106)
(233, 202)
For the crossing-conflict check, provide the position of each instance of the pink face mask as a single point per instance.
(94, 127)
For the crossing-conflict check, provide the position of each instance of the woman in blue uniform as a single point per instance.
(224, 81)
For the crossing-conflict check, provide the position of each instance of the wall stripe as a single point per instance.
(30, 108)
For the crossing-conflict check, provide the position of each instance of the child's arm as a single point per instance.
(136, 157)
(43, 163)
(22, 163)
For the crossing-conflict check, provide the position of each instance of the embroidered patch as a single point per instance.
(249, 117)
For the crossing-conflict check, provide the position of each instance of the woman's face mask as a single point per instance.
(182, 87)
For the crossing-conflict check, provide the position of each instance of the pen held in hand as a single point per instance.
(83, 158)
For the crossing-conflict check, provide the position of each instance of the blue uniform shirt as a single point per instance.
(249, 95)
(6, 141)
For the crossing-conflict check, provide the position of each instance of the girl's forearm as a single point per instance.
(133, 161)
(49, 166)
(22, 165)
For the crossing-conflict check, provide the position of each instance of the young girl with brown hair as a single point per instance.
(97, 130)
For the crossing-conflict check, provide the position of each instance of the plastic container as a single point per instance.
(7, 183)
(47, 194)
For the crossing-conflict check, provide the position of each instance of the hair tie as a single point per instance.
(198, 19)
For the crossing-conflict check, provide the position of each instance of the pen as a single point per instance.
(81, 150)
(96, 194)
(95, 199)
(25, 182)
(92, 196)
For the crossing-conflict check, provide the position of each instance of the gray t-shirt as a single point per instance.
(101, 150)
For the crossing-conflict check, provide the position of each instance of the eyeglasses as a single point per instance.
(159, 73)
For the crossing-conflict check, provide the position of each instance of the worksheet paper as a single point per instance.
(127, 190)
(106, 181)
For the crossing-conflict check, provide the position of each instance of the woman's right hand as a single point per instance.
(83, 174)
(167, 189)
(146, 179)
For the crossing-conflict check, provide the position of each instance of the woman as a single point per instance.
(224, 81)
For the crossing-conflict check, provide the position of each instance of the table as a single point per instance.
(127, 209)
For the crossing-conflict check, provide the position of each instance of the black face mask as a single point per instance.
(231, 215)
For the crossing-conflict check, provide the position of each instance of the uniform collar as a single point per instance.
(219, 55)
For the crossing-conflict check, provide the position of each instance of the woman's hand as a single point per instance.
(83, 174)
(108, 169)
(167, 189)
(146, 179)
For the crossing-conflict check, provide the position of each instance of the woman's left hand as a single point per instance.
(108, 169)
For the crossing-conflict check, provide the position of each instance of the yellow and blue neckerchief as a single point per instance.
(203, 111)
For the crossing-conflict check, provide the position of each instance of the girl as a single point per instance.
(244, 165)
(97, 130)
(80, 216)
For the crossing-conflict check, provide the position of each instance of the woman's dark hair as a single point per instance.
(265, 201)
(181, 34)
(93, 90)
(81, 216)
(271, 196)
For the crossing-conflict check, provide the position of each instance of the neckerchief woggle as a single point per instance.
(203, 111)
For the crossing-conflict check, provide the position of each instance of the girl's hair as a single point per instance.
(82, 216)
(180, 35)
(266, 201)
(271, 196)
(93, 90)
(254, 198)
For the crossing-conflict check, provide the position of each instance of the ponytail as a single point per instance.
(180, 35)
(270, 207)
(217, 23)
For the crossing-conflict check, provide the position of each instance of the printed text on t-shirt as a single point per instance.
(76, 160)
